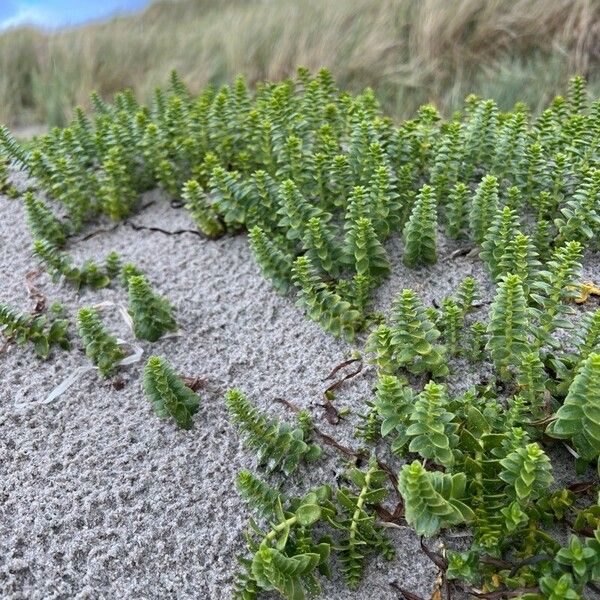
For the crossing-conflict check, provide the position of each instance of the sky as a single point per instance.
(58, 13)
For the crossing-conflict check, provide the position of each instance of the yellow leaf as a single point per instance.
(437, 594)
(587, 289)
(437, 588)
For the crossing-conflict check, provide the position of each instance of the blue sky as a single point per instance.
(56, 13)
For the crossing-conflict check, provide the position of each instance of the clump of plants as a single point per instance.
(42, 222)
(321, 180)
(278, 445)
(59, 265)
(292, 553)
(411, 341)
(43, 330)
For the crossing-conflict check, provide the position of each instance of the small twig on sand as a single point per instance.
(338, 383)
(435, 557)
(198, 382)
(137, 227)
(97, 232)
(405, 593)
(505, 593)
(326, 439)
(341, 366)
(460, 252)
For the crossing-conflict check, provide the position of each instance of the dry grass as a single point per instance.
(409, 51)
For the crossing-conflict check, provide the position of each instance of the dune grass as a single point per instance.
(409, 51)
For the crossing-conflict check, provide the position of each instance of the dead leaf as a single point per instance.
(117, 384)
(437, 559)
(397, 517)
(582, 487)
(587, 289)
(194, 383)
(34, 293)
(331, 412)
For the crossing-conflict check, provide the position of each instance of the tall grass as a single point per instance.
(409, 51)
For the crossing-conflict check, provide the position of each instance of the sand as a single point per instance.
(101, 499)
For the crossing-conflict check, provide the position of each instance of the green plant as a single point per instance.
(127, 271)
(420, 231)
(497, 238)
(447, 162)
(201, 211)
(463, 566)
(321, 248)
(263, 201)
(320, 179)
(295, 210)
(169, 396)
(385, 213)
(152, 315)
(379, 344)
(5, 186)
(578, 418)
(278, 445)
(467, 295)
(509, 327)
(451, 323)
(284, 558)
(585, 340)
(433, 500)
(527, 471)
(116, 192)
(101, 347)
(258, 494)
(394, 404)
(555, 286)
(274, 262)
(41, 331)
(370, 426)
(230, 196)
(335, 314)
(60, 265)
(413, 337)
(483, 207)
(520, 257)
(581, 558)
(42, 222)
(477, 341)
(113, 265)
(12, 149)
(532, 380)
(457, 211)
(366, 252)
(580, 217)
(361, 534)
(432, 432)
